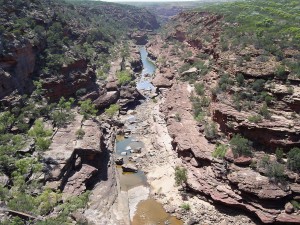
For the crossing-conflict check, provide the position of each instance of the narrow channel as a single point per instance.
(143, 208)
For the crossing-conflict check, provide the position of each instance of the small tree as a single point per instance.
(220, 151)
(279, 154)
(180, 175)
(124, 77)
(294, 159)
(186, 206)
(40, 135)
(80, 133)
(240, 146)
(112, 110)
(62, 115)
(275, 171)
(240, 79)
(210, 131)
(265, 112)
(87, 108)
(199, 88)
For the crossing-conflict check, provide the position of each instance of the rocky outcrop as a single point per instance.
(74, 164)
(140, 37)
(186, 139)
(75, 76)
(278, 131)
(226, 182)
(129, 168)
(129, 95)
(16, 69)
(107, 99)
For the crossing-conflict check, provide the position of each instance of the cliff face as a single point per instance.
(216, 90)
(16, 69)
(61, 44)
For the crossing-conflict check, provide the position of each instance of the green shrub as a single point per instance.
(186, 206)
(240, 146)
(279, 154)
(220, 151)
(255, 119)
(124, 77)
(62, 114)
(180, 175)
(280, 72)
(265, 112)
(46, 201)
(296, 205)
(225, 82)
(275, 171)
(240, 79)
(112, 110)
(38, 130)
(22, 202)
(294, 159)
(40, 135)
(264, 161)
(199, 87)
(258, 85)
(6, 121)
(177, 117)
(80, 133)
(87, 108)
(81, 92)
(210, 131)
(42, 144)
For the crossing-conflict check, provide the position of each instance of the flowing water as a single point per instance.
(148, 212)
(148, 70)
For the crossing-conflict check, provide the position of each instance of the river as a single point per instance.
(143, 208)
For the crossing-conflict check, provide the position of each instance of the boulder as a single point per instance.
(129, 168)
(79, 218)
(107, 99)
(76, 184)
(4, 180)
(289, 208)
(243, 161)
(119, 160)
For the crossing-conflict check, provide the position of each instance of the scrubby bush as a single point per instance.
(210, 131)
(296, 205)
(255, 119)
(220, 151)
(225, 82)
(177, 117)
(112, 110)
(294, 159)
(264, 111)
(80, 133)
(258, 85)
(87, 108)
(279, 154)
(240, 146)
(275, 171)
(124, 77)
(240, 79)
(199, 88)
(62, 114)
(180, 175)
(280, 72)
(186, 206)
(40, 135)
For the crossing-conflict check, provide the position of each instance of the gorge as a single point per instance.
(109, 116)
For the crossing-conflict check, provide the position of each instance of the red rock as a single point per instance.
(243, 161)
(288, 218)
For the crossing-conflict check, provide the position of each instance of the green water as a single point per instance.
(148, 68)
